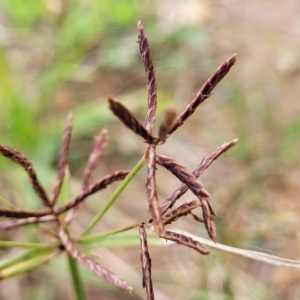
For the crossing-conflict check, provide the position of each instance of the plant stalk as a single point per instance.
(115, 195)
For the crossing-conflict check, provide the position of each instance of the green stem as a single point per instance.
(115, 195)
(8, 244)
(24, 256)
(87, 238)
(76, 280)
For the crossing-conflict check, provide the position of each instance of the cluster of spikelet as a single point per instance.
(159, 217)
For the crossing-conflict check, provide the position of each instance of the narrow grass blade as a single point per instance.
(24, 256)
(76, 279)
(259, 256)
(26, 266)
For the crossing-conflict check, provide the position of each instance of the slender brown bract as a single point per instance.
(179, 171)
(11, 224)
(146, 264)
(93, 188)
(22, 161)
(181, 211)
(204, 92)
(186, 241)
(63, 159)
(151, 192)
(205, 163)
(151, 79)
(130, 121)
(90, 264)
(166, 123)
(19, 214)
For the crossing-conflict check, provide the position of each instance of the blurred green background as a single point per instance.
(58, 56)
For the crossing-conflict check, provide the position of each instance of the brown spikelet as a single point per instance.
(146, 264)
(151, 192)
(204, 92)
(166, 123)
(186, 241)
(213, 231)
(130, 121)
(19, 214)
(63, 159)
(207, 219)
(151, 79)
(98, 148)
(205, 163)
(182, 210)
(93, 188)
(90, 264)
(10, 224)
(196, 218)
(206, 213)
(22, 161)
(179, 171)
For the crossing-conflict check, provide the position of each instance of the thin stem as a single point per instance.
(115, 195)
(87, 238)
(76, 279)
(8, 244)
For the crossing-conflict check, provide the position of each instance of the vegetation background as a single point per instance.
(58, 56)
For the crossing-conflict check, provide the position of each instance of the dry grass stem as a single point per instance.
(63, 159)
(204, 92)
(130, 121)
(146, 264)
(186, 241)
(10, 224)
(90, 264)
(22, 161)
(93, 188)
(151, 192)
(151, 79)
(166, 123)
